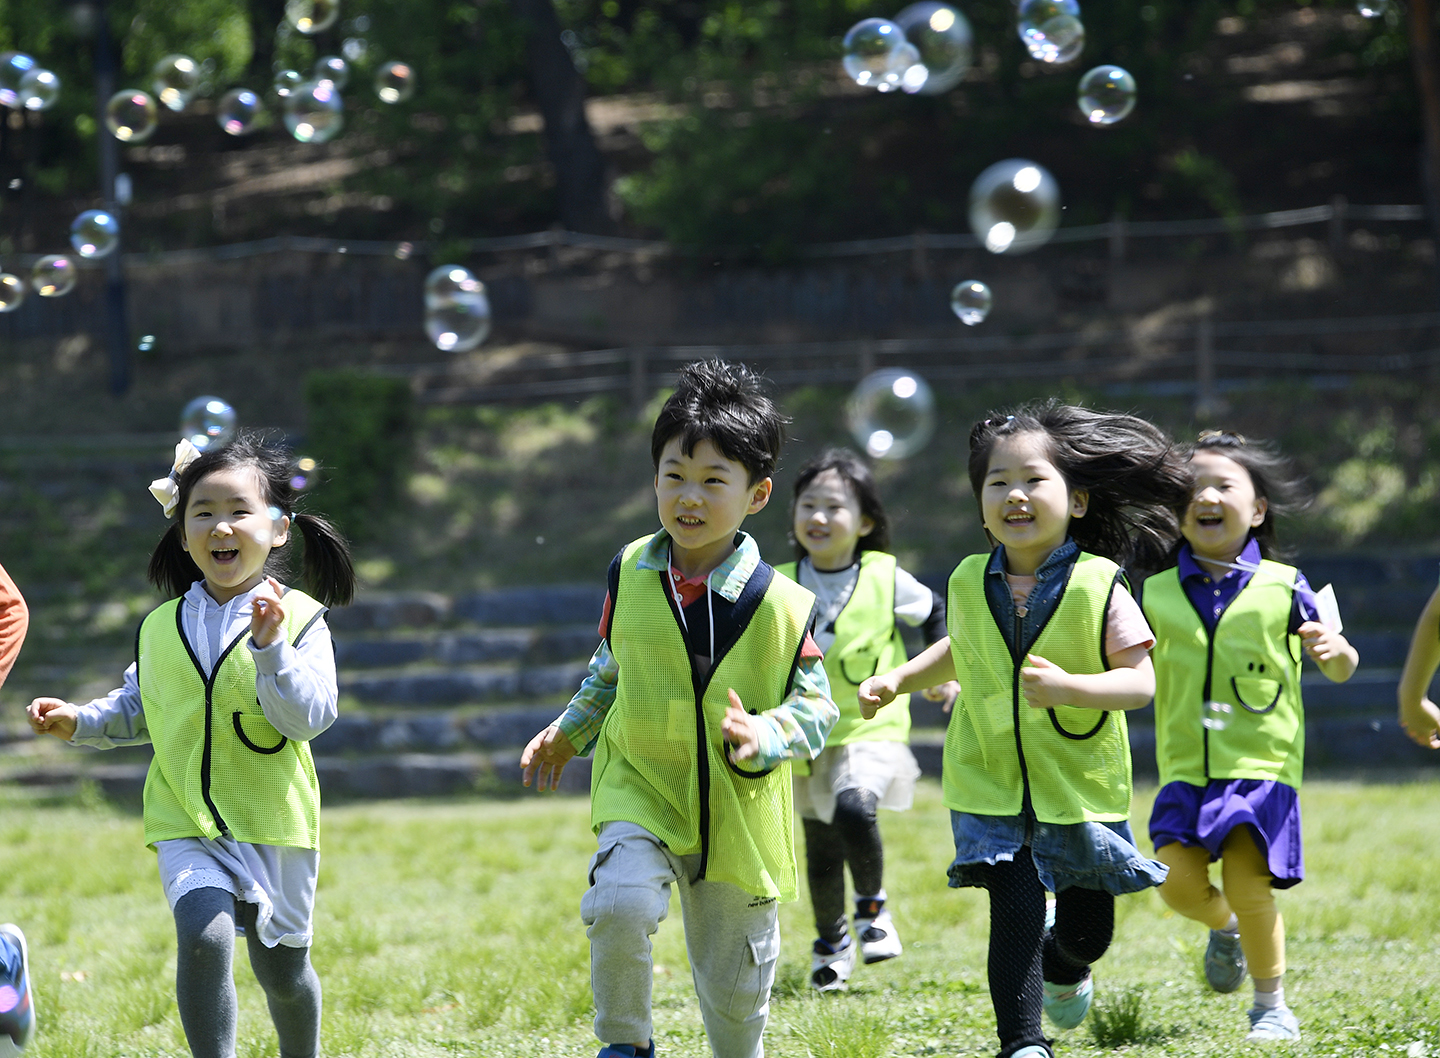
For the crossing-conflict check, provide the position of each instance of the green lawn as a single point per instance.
(453, 928)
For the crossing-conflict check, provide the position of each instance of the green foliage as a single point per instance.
(1120, 1020)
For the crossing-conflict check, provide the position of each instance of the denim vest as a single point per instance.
(1050, 580)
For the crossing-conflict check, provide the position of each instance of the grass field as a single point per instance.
(453, 929)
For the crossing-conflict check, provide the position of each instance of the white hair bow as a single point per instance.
(167, 489)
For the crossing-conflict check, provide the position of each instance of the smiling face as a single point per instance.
(1225, 508)
(229, 532)
(702, 498)
(828, 523)
(1025, 503)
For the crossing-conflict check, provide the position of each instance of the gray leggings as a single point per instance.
(205, 984)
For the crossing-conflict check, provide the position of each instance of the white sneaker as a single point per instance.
(878, 939)
(830, 967)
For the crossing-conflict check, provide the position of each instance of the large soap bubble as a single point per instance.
(1014, 206)
(207, 422)
(1051, 29)
(286, 81)
(95, 233)
(175, 79)
(39, 89)
(891, 413)
(1372, 8)
(457, 312)
(1106, 95)
(311, 16)
(12, 292)
(314, 112)
(131, 115)
(395, 82)
(13, 66)
(942, 36)
(239, 111)
(334, 69)
(54, 276)
(877, 53)
(971, 301)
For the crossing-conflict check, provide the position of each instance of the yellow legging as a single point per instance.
(1246, 877)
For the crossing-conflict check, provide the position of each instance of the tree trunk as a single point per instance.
(560, 91)
(1427, 80)
(265, 18)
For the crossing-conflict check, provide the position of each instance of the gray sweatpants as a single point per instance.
(733, 940)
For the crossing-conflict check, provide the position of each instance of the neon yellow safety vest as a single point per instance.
(1071, 764)
(661, 761)
(219, 766)
(866, 642)
(1251, 664)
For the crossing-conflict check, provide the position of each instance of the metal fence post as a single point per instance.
(1206, 404)
(1338, 205)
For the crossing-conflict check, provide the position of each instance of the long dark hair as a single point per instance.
(327, 570)
(1136, 477)
(1274, 477)
(856, 474)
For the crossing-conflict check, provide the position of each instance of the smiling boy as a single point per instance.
(705, 685)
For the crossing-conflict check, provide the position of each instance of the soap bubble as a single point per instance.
(311, 16)
(1051, 29)
(131, 115)
(54, 276)
(1107, 95)
(457, 312)
(971, 301)
(1372, 8)
(95, 233)
(286, 81)
(13, 66)
(1217, 715)
(1014, 206)
(355, 49)
(12, 292)
(942, 36)
(207, 422)
(175, 79)
(891, 413)
(875, 53)
(145, 344)
(906, 72)
(395, 82)
(334, 69)
(314, 112)
(239, 111)
(38, 89)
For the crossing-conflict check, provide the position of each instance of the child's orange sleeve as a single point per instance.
(14, 621)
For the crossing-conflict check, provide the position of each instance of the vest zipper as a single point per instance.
(1205, 694)
(205, 755)
(1027, 808)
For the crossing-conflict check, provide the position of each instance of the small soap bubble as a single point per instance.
(131, 115)
(39, 89)
(540, 540)
(404, 251)
(314, 112)
(306, 465)
(207, 422)
(311, 16)
(891, 413)
(14, 65)
(175, 79)
(1372, 8)
(145, 344)
(971, 301)
(1217, 715)
(334, 69)
(1014, 206)
(239, 111)
(1051, 29)
(942, 36)
(1106, 95)
(54, 276)
(275, 513)
(12, 292)
(870, 52)
(95, 233)
(457, 312)
(395, 82)
(286, 81)
(355, 49)
(906, 71)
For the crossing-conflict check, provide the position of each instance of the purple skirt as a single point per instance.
(1205, 815)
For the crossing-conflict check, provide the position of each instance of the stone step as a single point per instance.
(464, 686)
(479, 646)
(550, 604)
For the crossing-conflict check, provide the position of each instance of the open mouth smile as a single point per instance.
(225, 554)
(689, 521)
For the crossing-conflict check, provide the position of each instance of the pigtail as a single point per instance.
(172, 570)
(327, 568)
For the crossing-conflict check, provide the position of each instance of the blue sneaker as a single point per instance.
(1271, 1024)
(1067, 1005)
(17, 1003)
(625, 1050)
(1224, 961)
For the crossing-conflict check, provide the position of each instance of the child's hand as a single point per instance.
(1421, 722)
(945, 692)
(546, 755)
(266, 613)
(739, 730)
(1045, 684)
(1320, 642)
(875, 693)
(51, 716)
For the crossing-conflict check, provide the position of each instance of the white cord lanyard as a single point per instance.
(680, 601)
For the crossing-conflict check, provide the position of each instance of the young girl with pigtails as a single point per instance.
(233, 676)
(1050, 650)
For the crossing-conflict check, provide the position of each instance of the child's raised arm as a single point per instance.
(933, 665)
(1129, 683)
(1419, 716)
